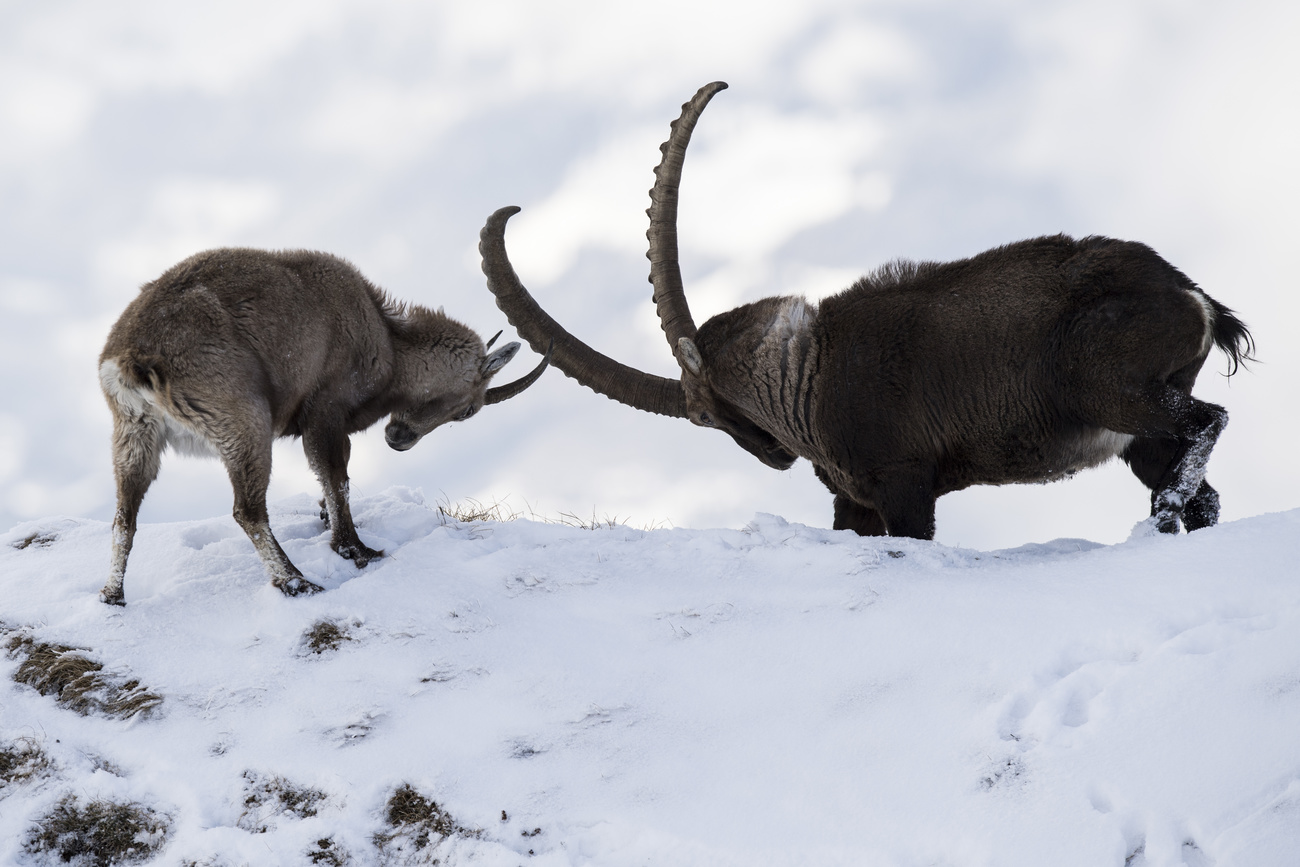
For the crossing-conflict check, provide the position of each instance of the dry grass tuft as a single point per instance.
(38, 539)
(20, 761)
(325, 635)
(416, 824)
(98, 834)
(470, 511)
(76, 681)
(609, 522)
(329, 852)
(266, 798)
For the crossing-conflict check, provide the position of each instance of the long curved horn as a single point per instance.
(574, 358)
(669, 297)
(509, 390)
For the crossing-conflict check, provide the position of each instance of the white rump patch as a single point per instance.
(141, 405)
(1207, 342)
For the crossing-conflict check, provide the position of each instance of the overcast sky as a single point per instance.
(135, 134)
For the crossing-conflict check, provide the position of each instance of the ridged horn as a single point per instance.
(509, 390)
(665, 274)
(575, 359)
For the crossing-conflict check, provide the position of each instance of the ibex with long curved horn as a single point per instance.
(232, 348)
(1025, 363)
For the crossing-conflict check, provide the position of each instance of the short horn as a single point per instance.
(505, 392)
(574, 358)
(665, 273)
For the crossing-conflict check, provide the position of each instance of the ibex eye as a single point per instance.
(707, 419)
(466, 414)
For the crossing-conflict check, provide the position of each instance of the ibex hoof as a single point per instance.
(358, 554)
(299, 587)
(1166, 522)
(107, 598)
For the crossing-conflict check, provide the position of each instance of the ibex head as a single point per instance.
(717, 384)
(447, 370)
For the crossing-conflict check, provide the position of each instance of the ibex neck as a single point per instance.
(785, 362)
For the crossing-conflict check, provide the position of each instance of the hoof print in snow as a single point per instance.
(690, 621)
(440, 674)
(413, 824)
(99, 832)
(78, 682)
(467, 619)
(268, 798)
(355, 731)
(522, 749)
(1005, 774)
(35, 540)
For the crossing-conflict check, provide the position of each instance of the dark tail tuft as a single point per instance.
(1232, 336)
(145, 371)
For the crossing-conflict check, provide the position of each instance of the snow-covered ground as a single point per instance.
(773, 695)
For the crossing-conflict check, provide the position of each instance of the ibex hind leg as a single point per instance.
(247, 456)
(138, 441)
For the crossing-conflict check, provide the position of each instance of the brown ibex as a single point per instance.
(1025, 363)
(232, 348)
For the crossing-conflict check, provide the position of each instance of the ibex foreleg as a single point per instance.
(246, 452)
(327, 454)
(905, 501)
(858, 518)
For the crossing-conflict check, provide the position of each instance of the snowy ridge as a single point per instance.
(774, 695)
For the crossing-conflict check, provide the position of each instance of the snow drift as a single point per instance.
(774, 695)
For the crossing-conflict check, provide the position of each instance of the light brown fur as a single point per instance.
(232, 348)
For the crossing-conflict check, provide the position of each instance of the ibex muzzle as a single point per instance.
(1025, 363)
(233, 348)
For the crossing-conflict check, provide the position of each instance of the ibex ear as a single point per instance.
(498, 359)
(689, 357)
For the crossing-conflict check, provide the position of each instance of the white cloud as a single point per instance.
(754, 178)
(853, 57)
(601, 202)
(185, 215)
(384, 120)
(39, 110)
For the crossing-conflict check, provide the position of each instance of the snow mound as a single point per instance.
(774, 695)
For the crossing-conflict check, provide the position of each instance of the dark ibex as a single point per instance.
(1025, 363)
(232, 348)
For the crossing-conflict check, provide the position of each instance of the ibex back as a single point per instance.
(234, 347)
(1025, 363)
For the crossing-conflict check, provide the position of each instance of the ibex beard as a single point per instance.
(232, 348)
